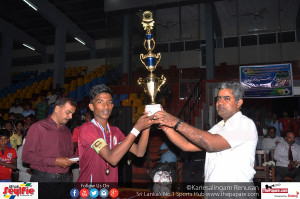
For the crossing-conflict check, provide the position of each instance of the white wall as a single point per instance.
(185, 59)
(92, 64)
(258, 54)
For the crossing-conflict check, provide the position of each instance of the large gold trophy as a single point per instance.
(151, 83)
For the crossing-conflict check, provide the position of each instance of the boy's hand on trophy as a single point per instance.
(143, 122)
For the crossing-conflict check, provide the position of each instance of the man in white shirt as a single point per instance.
(287, 156)
(270, 142)
(230, 144)
(278, 125)
(16, 108)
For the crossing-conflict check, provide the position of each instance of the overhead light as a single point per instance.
(79, 40)
(30, 47)
(257, 30)
(31, 4)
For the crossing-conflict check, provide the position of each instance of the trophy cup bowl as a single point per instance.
(151, 85)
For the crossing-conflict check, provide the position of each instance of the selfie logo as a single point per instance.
(13, 190)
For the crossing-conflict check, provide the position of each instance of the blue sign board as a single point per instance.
(267, 81)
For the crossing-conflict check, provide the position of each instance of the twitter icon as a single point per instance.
(94, 193)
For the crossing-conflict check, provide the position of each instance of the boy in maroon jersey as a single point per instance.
(102, 146)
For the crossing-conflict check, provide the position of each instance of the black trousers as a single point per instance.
(282, 172)
(53, 188)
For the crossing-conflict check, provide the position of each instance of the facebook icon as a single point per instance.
(74, 193)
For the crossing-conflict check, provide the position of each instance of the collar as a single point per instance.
(4, 149)
(51, 121)
(236, 115)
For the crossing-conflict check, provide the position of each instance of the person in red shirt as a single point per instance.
(75, 168)
(287, 122)
(8, 157)
(102, 146)
(296, 123)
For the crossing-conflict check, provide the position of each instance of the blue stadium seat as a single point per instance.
(101, 80)
(72, 94)
(80, 94)
(94, 82)
(116, 100)
(123, 96)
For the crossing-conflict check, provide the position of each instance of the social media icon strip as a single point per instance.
(74, 193)
(84, 193)
(103, 193)
(114, 193)
(94, 193)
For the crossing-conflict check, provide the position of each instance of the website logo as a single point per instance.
(74, 193)
(12, 190)
(84, 193)
(114, 193)
(94, 193)
(103, 193)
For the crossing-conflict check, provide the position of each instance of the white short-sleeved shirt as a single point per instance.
(237, 163)
(270, 143)
(281, 154)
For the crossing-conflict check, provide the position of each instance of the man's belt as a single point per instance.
(50, 175)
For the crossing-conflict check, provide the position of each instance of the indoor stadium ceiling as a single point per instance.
(90, 17)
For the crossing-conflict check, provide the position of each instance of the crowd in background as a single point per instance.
(271, 128)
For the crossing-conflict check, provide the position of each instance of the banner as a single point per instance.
(267, 81)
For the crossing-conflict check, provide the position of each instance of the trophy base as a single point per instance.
(152, 108)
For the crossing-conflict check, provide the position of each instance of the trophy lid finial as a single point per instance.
(148, 22)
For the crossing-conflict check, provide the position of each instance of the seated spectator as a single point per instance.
(166, 153)
(296, 122)
(8, 157)
(24, 169)
(168, 157)
(271, 141)
(75, 167)
(29, 120)
(27, 110)
(287, 122)
(12, 116)
(52, 98)
(16, 137)
(9, 125)
(276, 124)
(16, 108)
(42, 108)
(287, 156)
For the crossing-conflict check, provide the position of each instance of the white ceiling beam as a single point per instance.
(57, 18)
(21, 36)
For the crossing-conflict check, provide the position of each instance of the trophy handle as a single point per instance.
(141, 82)
(159, 57)
(142, 56)
(161, 81)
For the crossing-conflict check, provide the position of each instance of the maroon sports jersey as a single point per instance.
(92, 166)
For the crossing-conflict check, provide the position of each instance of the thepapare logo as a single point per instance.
(24, 189)
(294, 196)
